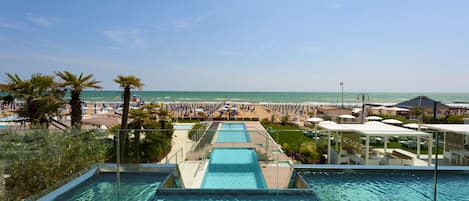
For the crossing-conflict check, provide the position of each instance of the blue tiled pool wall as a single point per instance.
(101, 180)
(234, 195)
(233, 132)
(103, 186)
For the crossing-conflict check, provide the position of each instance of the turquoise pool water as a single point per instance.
(233, 132)
(134, 186)
(233, 168)
(386, 185)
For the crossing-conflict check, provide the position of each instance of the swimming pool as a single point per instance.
(233, 132)
(134, 186)
(183, 126)
(233, 168)
(386, 184)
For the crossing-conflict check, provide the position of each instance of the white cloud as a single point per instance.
(10, 26)
(42, 20)
(125, 37)
(190, 22)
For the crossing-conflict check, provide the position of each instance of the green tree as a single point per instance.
(140, 117)
(285, 119)
(417, 112)
(127, 83)
(41, 95)
(76, 84)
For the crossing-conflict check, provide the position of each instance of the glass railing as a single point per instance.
(115, 164)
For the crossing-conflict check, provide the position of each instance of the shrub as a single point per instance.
(265, 121)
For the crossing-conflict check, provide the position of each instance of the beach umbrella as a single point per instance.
(392, 121)
(327, 122)
(346, 116)
(414, 125)
(314, 119)
(373, 118)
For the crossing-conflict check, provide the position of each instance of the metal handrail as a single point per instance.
(168, 159)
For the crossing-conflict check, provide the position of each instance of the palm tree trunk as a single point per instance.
(137, 145)
(76, 113)
(125, 116)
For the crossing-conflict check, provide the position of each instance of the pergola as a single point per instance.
(370, 129)
(462, 129)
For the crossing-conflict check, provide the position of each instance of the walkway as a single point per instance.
(181, 143)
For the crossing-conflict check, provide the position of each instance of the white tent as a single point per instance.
(377, 129)
(314, 119)
(346, 116)
(392, 121)
(373, 118)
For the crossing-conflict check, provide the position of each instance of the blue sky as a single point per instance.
(372, 46)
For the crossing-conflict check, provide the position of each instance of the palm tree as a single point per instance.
(41, 95)
(76, 84)
(127, 83)
(140, 117)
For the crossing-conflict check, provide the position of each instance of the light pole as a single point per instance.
(342, 85)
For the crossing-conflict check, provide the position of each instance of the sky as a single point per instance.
(243, 45)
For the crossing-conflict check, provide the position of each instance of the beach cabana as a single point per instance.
(376, 129)
(462, 129)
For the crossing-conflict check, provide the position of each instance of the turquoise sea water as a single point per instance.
(272, 97)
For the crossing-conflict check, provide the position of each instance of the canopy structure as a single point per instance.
(421, 101)
(456, 128)
(414, 126)
(377, 129)
(462, 129)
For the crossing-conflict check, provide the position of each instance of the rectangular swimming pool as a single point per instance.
(103, 186)
(233, 132)
(386, 184)
(233, 168)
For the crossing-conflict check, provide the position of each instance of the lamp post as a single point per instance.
(342, 85)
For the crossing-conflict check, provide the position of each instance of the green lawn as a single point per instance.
(291, 135)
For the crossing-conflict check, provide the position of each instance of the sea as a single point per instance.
(271, 97)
